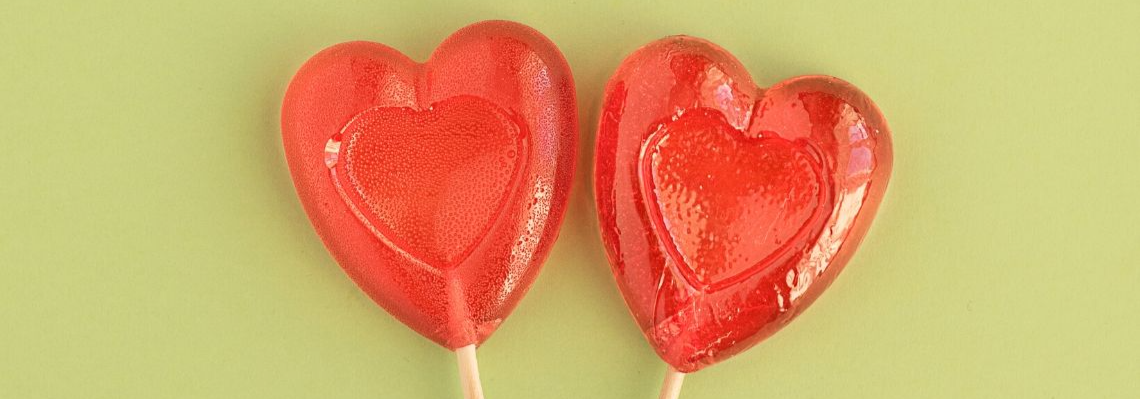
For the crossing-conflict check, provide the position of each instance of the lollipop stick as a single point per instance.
(671, 389)
(469, 373)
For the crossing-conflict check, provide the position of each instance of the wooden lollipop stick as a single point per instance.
(671, 389)
(469, 373)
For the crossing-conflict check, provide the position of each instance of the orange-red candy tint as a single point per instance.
(726, 208)
(438, 187)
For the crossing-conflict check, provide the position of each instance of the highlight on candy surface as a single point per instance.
(725, 208)
(439, 187)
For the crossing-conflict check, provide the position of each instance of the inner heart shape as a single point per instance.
(730, 204)
(430, 182)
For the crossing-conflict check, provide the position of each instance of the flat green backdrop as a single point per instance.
(151, 245)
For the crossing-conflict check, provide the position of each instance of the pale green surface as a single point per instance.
(151, 245)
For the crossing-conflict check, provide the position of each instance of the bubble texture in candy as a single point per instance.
(438, 187)
(726, 209)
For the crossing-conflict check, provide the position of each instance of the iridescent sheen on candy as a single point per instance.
(726, 209)
(438, 187)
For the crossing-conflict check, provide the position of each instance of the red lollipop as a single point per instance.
(726, 209)
(438, 187)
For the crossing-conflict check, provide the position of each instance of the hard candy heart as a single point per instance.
(438, 187)
(726, 209)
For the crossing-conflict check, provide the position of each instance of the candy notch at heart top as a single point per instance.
(726, 209)
(438, 187)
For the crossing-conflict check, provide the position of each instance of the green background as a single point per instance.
(151, 244)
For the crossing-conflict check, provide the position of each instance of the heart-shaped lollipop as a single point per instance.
(438, 187)
(726, 209)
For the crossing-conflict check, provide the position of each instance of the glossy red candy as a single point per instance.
(726, 209)
(438, 187)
